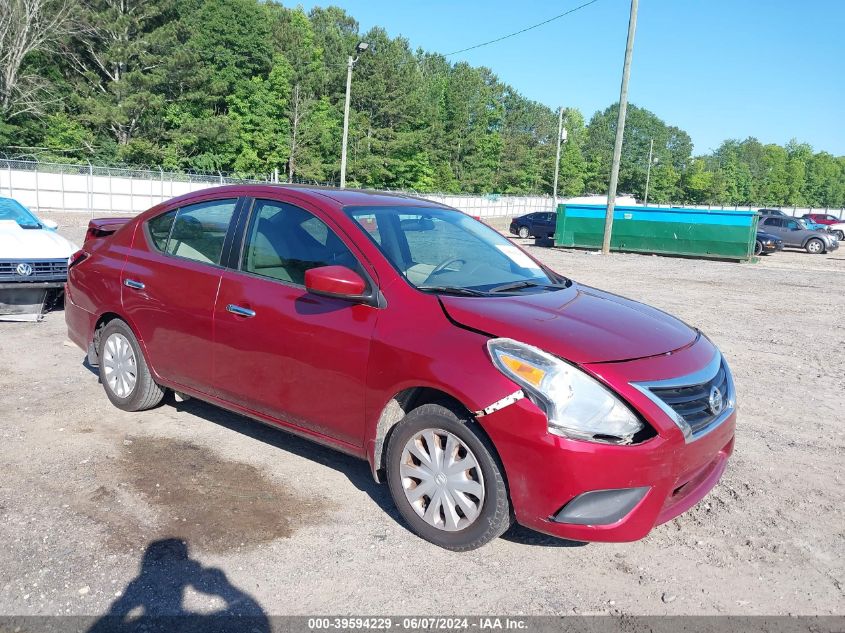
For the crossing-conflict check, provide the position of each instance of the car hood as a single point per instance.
(20, 243)
(579, 323)
(767, 236)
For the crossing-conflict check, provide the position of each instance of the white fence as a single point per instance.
(52, 187)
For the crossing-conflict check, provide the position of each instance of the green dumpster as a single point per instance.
(717, 234)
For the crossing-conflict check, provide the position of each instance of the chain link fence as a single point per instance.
(97, 189)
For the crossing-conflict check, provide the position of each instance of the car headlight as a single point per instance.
(576, 405)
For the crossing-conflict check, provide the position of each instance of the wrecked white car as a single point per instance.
(33, 263)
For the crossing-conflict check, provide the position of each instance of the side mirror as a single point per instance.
(335, 281)
(50, 224)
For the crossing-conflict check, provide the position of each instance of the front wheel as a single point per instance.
(814, 246)
(523, 232)
(840, 235)
(123, 370)
(758, 247)
(446, 480)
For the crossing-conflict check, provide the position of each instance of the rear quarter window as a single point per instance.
(159, 229)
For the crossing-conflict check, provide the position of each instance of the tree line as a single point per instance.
(253, 87)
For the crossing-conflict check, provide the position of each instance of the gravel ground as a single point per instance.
(101, 509)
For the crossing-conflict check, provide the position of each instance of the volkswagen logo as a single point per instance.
(24, 270)
(717, 402)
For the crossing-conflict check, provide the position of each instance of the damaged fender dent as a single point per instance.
(516, 396)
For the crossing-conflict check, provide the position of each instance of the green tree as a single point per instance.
(114, 55)
(258, 110)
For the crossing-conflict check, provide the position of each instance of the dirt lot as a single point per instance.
(277, 525)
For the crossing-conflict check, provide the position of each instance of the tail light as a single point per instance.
(76, 258)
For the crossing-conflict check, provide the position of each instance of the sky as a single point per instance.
(719, 69)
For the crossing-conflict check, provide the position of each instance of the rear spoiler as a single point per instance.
(103, 227)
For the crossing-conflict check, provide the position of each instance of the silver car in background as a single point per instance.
(795, 234)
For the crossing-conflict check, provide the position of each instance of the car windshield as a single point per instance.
(16, 212)
(444, 250)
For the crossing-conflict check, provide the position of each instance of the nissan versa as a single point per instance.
(482, 386)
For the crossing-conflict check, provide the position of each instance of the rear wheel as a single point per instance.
(840, 235)
(523, 232)
(123, 370)
(814, 246)
(445, 479)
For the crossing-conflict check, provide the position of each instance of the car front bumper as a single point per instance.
(772, 247)
(557, 484)
(40, 285)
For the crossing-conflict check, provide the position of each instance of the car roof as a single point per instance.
(342, 197)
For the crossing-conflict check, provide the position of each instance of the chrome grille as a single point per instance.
(686, 399)
(42, 270)
(692, 403)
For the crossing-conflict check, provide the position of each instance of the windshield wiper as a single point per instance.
(519, 285)
(453, 290)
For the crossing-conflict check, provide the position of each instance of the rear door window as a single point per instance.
(199, 231)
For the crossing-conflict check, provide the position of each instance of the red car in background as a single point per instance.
(822, 218)
(481, 385)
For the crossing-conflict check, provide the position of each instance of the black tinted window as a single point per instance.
(284, 241)
(159, 228)
(200, 229)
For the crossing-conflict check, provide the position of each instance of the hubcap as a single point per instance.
(815, 247)
(121, 372)
(442, 480)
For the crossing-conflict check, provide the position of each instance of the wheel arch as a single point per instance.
(102, 321)
(400, 405)
(815, 237)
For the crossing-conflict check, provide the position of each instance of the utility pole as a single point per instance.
(620, 129)
(350, 64)
(648, 172)
(561, 138)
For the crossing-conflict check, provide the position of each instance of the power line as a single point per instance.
(528, 28)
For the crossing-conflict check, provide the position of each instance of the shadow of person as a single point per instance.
(155, 600)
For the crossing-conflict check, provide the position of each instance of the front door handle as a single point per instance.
(131, 283)
(244, 312)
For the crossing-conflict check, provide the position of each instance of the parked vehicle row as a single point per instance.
(776, 230)
(795, 234)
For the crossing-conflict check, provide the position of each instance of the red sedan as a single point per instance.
(482, 386)
(822, 218)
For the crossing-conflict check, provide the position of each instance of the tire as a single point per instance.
(482, 486)
(814, 246)
(524, 232)
(840, 235)
(119, 355)
(758, 247)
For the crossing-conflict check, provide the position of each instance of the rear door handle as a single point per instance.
(131, 283)
(244, 312)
